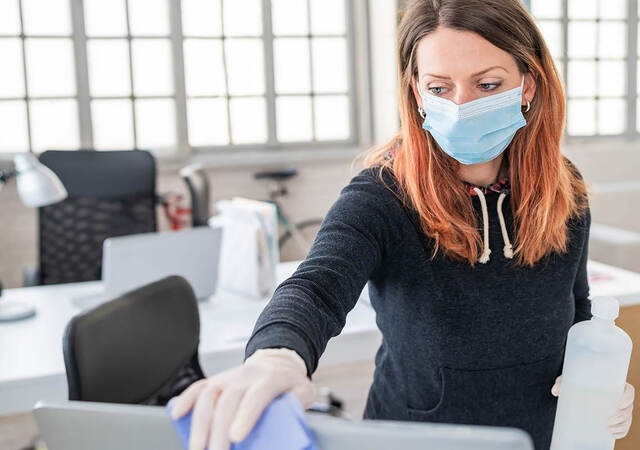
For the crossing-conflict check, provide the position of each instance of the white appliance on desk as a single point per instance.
(132, 261)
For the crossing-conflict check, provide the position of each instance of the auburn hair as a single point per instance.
(546, 188)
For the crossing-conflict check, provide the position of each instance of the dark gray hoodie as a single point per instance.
(461, 345)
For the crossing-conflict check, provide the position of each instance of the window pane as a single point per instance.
(54, 125)
(546, 8)
(11, 76)
(611, 78)
(582, 9)
(582, 39)
(613, 9)
(13, 116)
(248, 120)
(149, 17)
(294, 119)
(242, 17)
(108, 67)
(582, 78)
(611, 116)
(207, 122)
(581, 117)
(332, 117)
(245, 66)
(552, 33)
(329, 56)
(560, 69)
(51, 17)
(201, 18)
(327, 17)
(204, 70)
(156, 125)
(289, 17)
(50, 69)
(152, 74)
(291, 65)
(105, 18)
(613, 40)
(112, 124)
(9, 17)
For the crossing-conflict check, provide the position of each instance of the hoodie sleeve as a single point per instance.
(310, 307)
(581, 284)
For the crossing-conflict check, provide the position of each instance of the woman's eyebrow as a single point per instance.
(472, 75)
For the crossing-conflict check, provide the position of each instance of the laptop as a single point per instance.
(131, 261)
(104, 426)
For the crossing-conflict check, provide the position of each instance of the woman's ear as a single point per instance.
(416, 94)
(529, 89)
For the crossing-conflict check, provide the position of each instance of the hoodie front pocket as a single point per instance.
(518, 395)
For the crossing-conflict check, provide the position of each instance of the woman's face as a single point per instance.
(462, 66)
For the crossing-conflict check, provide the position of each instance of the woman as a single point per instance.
(471, 228)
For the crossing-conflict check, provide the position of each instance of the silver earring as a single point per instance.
(421, 112)
(528, 106)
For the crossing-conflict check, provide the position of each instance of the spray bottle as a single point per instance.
(594, 373)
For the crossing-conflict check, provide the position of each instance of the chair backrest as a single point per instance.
(111, 193)
(139, 348)
(197, 182)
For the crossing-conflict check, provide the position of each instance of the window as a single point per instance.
(594, 44)
(176, 75)
(39, 106)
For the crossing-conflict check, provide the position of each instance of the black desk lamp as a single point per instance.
(37, 186)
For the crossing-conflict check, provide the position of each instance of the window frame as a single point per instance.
(630, 97)
(183, 149)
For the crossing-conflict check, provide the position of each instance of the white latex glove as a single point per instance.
(620, 422)
(227, 405)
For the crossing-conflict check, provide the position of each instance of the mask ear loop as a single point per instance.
(521, 88)
(420, 110)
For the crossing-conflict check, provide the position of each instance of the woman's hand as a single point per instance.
(620, 422)
(226, 406)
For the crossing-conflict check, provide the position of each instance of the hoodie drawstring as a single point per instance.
(508, 249)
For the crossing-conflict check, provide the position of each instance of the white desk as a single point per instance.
(32, 368)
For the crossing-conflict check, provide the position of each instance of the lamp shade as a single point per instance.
(37, 184)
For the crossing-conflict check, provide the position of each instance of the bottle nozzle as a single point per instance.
(605, 307)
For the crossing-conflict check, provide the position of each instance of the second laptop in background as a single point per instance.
(132, 261)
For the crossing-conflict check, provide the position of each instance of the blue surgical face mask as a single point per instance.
(476, 131)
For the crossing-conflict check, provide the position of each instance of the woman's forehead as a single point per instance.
(459, 53)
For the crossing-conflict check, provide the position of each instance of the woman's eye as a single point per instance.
(436, 87)
(497, 85)
(439, 90)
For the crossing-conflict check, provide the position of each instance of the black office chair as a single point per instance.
(140, 348)
(197, 182)
(111, 193)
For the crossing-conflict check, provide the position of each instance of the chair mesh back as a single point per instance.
(110, 194)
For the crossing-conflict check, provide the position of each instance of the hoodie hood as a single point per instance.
(502, 188)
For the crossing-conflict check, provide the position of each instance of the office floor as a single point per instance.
(349, 382)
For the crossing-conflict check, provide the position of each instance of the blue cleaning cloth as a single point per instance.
(282, 426)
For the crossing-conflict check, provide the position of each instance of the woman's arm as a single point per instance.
(581, 285)
(310, 307)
